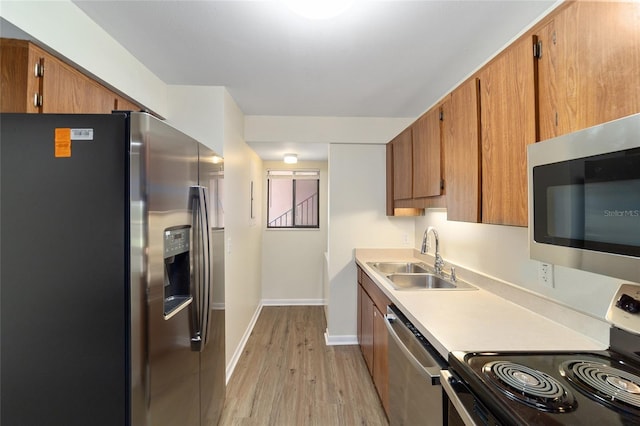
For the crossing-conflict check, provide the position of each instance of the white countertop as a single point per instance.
(475, 320)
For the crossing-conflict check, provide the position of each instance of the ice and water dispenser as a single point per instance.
(177, 271)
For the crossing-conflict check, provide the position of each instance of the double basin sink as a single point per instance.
(416, 276)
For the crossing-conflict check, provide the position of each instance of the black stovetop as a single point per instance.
(516, 386)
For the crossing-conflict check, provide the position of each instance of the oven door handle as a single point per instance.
(447, 381)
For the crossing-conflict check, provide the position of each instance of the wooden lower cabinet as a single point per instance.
(372, 334)
(380, 357)
(366, 339)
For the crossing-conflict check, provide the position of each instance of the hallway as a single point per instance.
(287, 376)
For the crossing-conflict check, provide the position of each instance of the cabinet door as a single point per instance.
(507, 98)
(366, 341)
(427, 176)
(390, 204)
(589, 68)
(19, 80)
(123, 104)
(402, 166)
(462, 153)
(380, 358)
(66, 90)
(359, 314)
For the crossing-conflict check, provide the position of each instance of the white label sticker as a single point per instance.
(81, 134)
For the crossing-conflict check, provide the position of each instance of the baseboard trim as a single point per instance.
(293, 302)
(339, 340)
(243, 342)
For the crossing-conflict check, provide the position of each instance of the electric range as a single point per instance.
(553, 387)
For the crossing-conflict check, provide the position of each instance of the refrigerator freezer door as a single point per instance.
(167, 167)
(64, 259)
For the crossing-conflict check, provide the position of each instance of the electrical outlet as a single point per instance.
(405, 239)
(545, 274)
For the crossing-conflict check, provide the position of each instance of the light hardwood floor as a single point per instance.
(288, 376)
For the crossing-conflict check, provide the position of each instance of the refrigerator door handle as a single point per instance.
(202, 269)
(205, 284)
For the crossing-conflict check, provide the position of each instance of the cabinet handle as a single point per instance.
(37, 100)
(38, 69)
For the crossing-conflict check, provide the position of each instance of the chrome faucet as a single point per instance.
(439, 262)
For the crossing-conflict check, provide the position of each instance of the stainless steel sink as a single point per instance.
(400, 267)
(401, 281)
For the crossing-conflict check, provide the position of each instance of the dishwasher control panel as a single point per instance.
(394, 314)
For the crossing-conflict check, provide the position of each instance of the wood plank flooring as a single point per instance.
(288, 376)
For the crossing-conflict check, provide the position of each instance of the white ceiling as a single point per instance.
(378, 59)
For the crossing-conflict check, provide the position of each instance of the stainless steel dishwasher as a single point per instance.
(415, 393)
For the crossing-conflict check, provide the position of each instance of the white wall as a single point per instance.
(357, 219)
(502, 252)
(199, 112)
(243, 235)
(292, 259)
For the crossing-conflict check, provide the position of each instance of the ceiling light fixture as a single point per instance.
(318, 9)
(290, 158)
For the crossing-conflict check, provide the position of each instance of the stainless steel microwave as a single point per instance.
(584, 199)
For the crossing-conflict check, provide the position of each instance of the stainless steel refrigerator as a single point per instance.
(111, 273)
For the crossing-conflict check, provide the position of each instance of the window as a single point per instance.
(292, 197)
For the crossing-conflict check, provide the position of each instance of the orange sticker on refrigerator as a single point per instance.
(63, 143)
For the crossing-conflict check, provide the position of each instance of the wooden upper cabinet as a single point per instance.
(461, 140)
(427, 158)
(402, 166)
(37, 82)
(585, 72)
(19, 80)
(66, 90)
(390, 205)
(589, 70)
(123, 104)
(507, 106)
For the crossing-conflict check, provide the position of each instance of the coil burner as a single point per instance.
(611, 386)
(530, 387)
